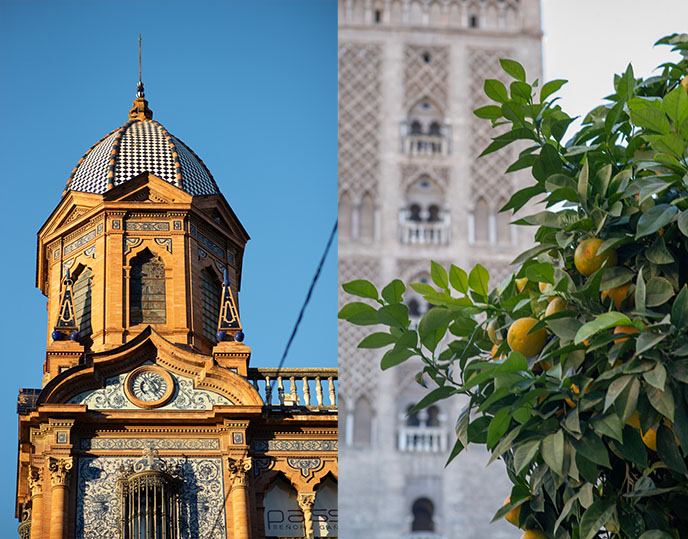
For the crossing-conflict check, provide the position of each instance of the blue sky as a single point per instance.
(251, 87)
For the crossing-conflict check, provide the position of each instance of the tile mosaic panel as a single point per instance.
(295, 445)
(136, 444)
(98, 508)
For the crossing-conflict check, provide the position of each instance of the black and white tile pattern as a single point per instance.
(143, 147)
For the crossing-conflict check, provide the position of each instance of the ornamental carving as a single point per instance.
(59, 471)
(295, 445)
(306, 502)
(238, 469)
(305, 466)
(128, 444)
(36, 481)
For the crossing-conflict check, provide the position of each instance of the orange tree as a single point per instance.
(587, 401)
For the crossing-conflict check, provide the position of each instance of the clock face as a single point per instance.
(149, 386)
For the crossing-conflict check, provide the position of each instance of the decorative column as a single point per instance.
(36, 487)
(238, 469)
(306, 501)
(59, 478)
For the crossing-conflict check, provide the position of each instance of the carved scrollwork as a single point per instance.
(36, 481)
(59, 471)
(238, 468)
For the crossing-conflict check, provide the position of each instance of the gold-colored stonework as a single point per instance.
(130, 370)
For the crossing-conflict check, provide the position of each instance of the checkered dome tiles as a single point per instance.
(141, 146)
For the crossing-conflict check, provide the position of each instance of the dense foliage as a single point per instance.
(593, 427)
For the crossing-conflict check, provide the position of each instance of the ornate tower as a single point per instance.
(411, 190)
(150, 423)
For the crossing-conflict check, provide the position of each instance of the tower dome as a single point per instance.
(140, 145)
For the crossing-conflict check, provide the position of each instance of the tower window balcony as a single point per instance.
(424, 133)
(422, 432)
(430, 227)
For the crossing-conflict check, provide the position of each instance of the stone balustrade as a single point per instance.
(312, 388)
(424, 232)
(422, 439)
(426, 145)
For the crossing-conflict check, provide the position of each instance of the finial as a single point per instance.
(229, 323)
(140, 110)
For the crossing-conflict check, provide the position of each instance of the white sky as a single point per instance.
(587, 41)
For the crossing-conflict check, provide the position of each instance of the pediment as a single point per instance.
(106, 380)
(147, 187)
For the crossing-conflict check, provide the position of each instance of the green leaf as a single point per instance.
(583, 183)
(609, 425)
(513, 68)
(458, 279)
(640, 293)
(550, 87)
(615, 276)
(393, 291)
(675, 105)
(523, 196)
(394, 357)
(603, 321)
(490, 112)
(520, 91)
(658, 253)
(656, 534)
(498, 426)
(552, 450)
(377, 340)
(679, 310)
(668, 450)
(359, 313)
(422, 288)
(655, 218)
(478, 280)
(435, 395)
(524, 453)
(595, 517)
(361, 288)
(656, 377)
(648, 117)
(627, 401)
(683, 223)
(439, 275)
(659, 290)
(648, 340)
(395, 315)
(496, 91)
(593, 448)
(662, 401)
(632, 448)
(540, 272)
(434, 319)
(615, 389)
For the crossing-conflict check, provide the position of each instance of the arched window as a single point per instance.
(367, 218)
(416, 127)
(482, 221)
(414, 307)
(149, 501)
(503, 226)
(147, 290)
(363, 418)
(412, 419)
(414, 212)
(346, 210)
(211, 296)
(82, 300)
(433, 416)
(435, 129)
(433, 213)
(423, 511)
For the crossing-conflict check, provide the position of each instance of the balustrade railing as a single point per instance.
(313, 388)
(426, 145)
(424, 232)
(422, 439)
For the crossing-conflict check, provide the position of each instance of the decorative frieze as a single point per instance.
(136, 444)
(83, 240)
(305, 466)
(295, 445)
(147, 226)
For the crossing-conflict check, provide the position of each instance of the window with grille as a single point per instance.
(211, 296)
(147, 290)
(150, 505)
(82, 301)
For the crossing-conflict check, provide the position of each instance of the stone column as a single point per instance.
(238, 469)
(59, 478)
(36, 487)
(306, 501)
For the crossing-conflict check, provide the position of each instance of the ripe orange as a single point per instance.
(534, 534)
(650, 439)
(521, 283)
(634, 420)
(513, 515)
(493, 332)
(624, 330)
(619, 294)
(527, 344)
(556, 306)
(494, 352)
(684, 83)
(587, 260)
